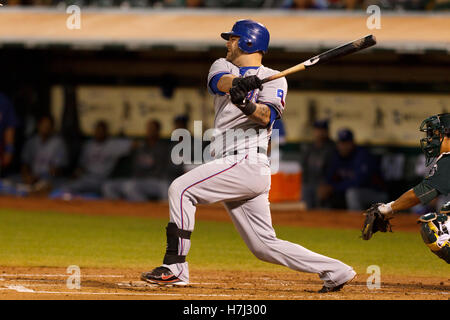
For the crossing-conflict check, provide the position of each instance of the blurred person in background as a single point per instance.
(397, 4)
(315, 160)
(8, 124)
(353, 180)
(98, 159)
(13, 2)
(421, 170)
(295, 4)
(153, 170)
(305, 4)
(181, 121)
(363, 4)
(346, 4)
(194, 3)
(180, 3)
(43, 157)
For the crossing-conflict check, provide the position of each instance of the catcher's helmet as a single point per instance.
(253, 36)
(436, 128)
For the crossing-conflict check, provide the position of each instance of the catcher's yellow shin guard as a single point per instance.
(432, 229)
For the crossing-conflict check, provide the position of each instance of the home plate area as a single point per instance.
(94, 283)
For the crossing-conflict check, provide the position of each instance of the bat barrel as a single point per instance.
(347, 48)
(365, 42)
(343, 50)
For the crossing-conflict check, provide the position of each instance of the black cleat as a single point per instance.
(331, 289)
(162, 276)
(336, 288)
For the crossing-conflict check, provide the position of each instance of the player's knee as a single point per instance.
(261, 251)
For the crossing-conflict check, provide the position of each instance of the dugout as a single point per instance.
(119, 58)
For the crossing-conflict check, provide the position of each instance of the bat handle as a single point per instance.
(296, 68)
(266, 79)
(273, 77)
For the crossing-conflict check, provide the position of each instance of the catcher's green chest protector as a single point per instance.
(435, 233)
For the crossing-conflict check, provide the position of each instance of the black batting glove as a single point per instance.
(248, 83)
(239, 99)
(238, 95)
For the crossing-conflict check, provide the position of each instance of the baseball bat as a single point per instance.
(343, 50)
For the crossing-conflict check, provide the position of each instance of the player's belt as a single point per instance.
(236, 152)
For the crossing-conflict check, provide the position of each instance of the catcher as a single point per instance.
(434, 226)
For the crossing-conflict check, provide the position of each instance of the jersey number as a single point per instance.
(280, 94)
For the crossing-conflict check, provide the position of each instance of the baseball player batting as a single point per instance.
(239, 176)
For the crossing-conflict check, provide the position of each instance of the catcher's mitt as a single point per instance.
(375, 221)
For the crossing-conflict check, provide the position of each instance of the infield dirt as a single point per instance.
(50, 283)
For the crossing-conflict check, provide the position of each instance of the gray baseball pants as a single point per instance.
(242, 183)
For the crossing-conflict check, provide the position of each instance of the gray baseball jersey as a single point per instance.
(41, 155)
(99, 159)
(249, 134)
(241, 181)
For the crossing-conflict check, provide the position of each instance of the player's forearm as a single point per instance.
(261, 115)
(406, 201)
(225, 82)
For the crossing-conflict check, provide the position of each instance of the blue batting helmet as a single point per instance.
(253, 36)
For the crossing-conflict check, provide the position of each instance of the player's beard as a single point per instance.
(232, 54)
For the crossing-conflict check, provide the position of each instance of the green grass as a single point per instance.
(60, 240)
